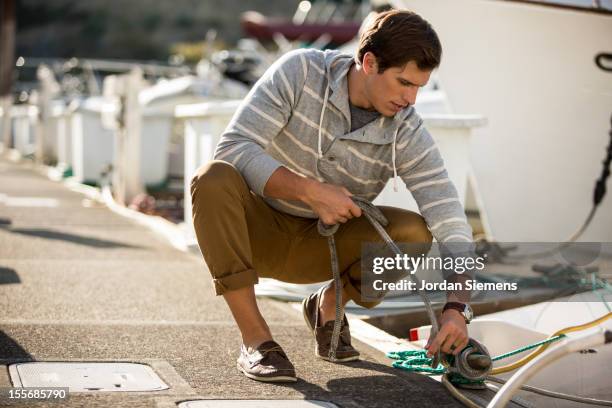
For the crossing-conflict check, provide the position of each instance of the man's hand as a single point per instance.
(453, 332)
(333, 204)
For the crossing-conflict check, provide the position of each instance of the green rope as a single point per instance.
(459, 379)
(528, 347)
(417, 361)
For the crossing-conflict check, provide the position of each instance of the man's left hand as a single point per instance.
(452, 337)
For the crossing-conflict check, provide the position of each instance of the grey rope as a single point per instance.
(329, 231)
(378, 221)
(554, 394)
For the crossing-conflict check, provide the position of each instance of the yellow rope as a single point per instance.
(539, 350)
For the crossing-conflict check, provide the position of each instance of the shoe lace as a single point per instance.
(275, 349)
(344, 338)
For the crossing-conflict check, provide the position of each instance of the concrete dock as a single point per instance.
(81, 283)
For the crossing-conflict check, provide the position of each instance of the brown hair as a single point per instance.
(396, 37)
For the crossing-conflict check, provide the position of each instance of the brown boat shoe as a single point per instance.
(323, 332)
(268, 362)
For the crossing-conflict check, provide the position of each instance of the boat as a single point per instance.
(264, 29)
(585, 373)
(529, 68)
(337, 22)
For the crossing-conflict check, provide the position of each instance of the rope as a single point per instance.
(416, 360)
(329, 231)
(528, 347)
(378, 221)
(459, 364)
(459, 396)
(534, 354)
(554, 394)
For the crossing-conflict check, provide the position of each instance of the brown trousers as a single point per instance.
(243, 238)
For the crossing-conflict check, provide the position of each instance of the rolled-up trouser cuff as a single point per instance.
(235, 281)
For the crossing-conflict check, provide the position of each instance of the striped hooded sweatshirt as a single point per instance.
(298, 116)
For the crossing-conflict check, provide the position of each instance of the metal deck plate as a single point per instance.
(86, 377)
(256, 404)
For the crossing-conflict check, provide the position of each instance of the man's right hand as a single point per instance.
(333, 204)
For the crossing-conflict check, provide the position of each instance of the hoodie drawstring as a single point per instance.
(321, 121)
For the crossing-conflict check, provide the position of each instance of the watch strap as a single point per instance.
(460, 307)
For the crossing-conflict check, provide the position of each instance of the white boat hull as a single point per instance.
(529, 69)
(585, 374)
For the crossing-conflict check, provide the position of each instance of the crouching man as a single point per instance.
(316, 129)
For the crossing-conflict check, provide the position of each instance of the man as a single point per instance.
(316, 129)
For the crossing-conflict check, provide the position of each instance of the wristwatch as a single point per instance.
(462, 308)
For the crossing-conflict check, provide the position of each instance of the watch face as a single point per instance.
(467, 312)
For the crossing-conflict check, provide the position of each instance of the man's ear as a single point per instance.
(370, 65)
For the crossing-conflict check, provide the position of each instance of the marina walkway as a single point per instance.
(81, 283)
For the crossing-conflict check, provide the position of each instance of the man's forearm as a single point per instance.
(287, 185)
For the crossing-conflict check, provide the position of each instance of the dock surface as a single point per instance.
(81, 283)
